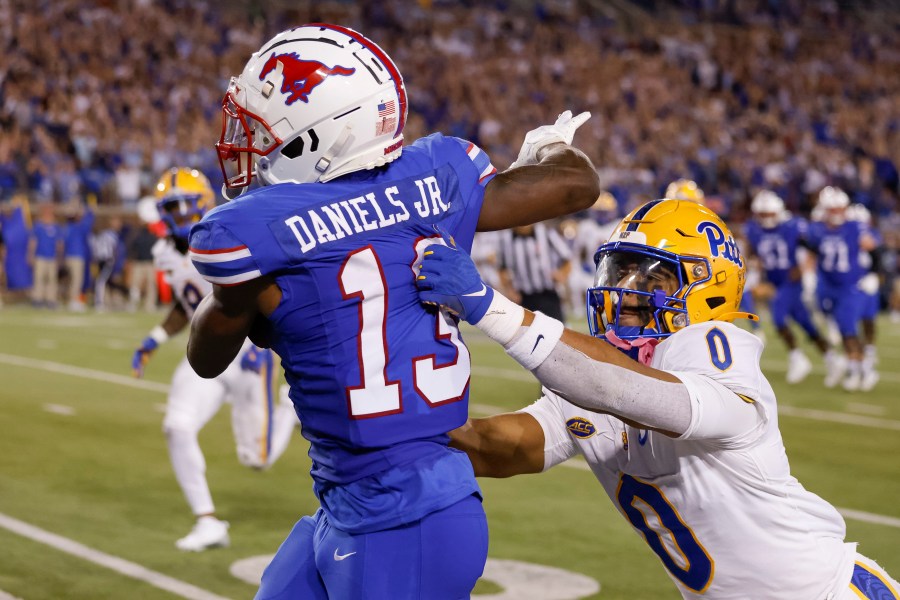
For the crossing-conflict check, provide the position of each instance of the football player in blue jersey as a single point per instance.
(838, 243)
(774, 236)
(319, 263)
(869, 285)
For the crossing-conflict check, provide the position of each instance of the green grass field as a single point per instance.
(82, 456)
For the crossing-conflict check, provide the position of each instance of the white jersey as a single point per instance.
(723, 514)
(261, 423)
(188, 287)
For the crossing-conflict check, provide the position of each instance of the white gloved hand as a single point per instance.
(869, 284)
(560, 132)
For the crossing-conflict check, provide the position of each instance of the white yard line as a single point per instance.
(487, 409)
(5, 596)
(60, 409)
(869, 409)
(838, 417)
(859, 515)
(64, 369)
(120, 565)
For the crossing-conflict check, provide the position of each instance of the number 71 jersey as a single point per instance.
(369, 367)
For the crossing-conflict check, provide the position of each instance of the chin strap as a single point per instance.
(232, 193)
(731, 316)
(645, 346)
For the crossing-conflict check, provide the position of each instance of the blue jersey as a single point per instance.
(377, 380)
(776, 247)
(76, 235)
(47, 237)
(839, 253)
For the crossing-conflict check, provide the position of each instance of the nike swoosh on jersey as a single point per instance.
(537, 341)
(342, 556)
(480, 292)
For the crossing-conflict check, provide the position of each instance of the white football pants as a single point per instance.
(262, 419)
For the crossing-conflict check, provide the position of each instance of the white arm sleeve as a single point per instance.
(717, 413)
(558, 444)
(607, 388)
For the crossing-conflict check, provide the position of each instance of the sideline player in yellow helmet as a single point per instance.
(685, 189)
(685, 439)
(183, 196)
(262, 418)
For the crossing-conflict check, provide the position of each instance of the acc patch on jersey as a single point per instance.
(580, 427)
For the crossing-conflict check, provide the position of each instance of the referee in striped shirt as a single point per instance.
(534, 260)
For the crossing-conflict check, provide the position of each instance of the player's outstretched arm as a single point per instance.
(174, 322)
(584, 370)
(502, 445)
(550, 178)
(224, 319)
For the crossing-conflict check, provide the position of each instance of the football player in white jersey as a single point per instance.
(262, 423)
(685, 438)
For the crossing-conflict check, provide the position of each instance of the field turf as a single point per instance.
(82, 456)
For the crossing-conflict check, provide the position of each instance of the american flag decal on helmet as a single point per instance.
(386, 109)
(387, 121)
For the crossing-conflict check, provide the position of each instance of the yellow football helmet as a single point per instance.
(685, 189)
(183, 196)
(667, 265)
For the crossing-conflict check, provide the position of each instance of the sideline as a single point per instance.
(120, 565)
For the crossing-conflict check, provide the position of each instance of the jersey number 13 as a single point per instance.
(362, 276)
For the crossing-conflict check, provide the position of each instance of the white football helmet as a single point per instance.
(768, 208)
(834, 202)
(315, 102)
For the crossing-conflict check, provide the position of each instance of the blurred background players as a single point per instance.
(108, 257)
(685, 189)
(44, 254)
(869, 285)
(591, 230)
(15, 225)
(261, 422)
(77, 251)
(142, 287)
(774, 236)
(839, 244)
(535, 261)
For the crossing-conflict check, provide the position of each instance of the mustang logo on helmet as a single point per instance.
(300, 77)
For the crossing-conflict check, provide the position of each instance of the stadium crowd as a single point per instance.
(742, 95)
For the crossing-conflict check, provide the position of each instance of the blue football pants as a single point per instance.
(438, 557)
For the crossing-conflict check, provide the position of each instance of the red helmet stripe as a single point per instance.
(385, 59)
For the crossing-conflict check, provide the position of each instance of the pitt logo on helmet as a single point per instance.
(717, 239)
(580, 427)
